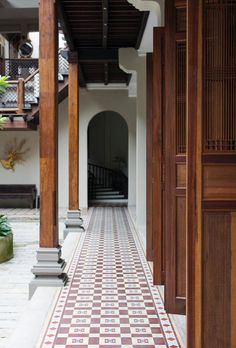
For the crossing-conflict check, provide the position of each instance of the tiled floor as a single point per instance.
(109, 300)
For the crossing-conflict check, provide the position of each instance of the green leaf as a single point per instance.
(5, 227)
(3, 83)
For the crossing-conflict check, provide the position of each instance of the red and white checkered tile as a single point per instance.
(110, 300)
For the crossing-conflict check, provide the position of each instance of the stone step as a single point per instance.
(108, 193)
(107, 201)
(110, 197)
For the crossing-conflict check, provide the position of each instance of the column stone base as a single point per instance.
(49, 269)
(73, 222)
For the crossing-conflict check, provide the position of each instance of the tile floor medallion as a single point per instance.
(110, 300)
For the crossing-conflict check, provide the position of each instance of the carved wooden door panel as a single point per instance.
(211, 208)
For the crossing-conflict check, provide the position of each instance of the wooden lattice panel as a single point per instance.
(219, 83)
(181, 97)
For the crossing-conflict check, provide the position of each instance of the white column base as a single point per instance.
(73, 222)
(49, 269)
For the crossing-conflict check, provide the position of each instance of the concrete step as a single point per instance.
(108, 201)
(108, 193)
(110, 197)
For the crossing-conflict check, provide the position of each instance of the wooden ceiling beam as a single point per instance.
(64, 26)
(104, 22)
(104, 26)
(98, 55)
(69, 39)
(105, 37)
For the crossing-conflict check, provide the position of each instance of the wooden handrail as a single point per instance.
(13, 82)
(106, 177)
(8, 110)
(20, 92)
(32, 75)
(20, 59)
(106, 169)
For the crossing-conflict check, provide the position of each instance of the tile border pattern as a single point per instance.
(158, 302)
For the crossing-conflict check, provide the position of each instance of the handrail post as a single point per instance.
(20, 96)
(2, 66)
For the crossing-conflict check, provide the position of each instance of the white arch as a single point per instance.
(112, 111)
(109, 153)
(93, 103)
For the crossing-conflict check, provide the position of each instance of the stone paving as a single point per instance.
(27, 214)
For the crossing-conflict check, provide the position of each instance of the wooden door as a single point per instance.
(211, 199)
(175, 156)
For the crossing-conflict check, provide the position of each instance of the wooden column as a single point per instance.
(158, 155)
(175, 156)
(73, 101)
(48, 114)
(211, 174)
(20, 96)
(149, 251)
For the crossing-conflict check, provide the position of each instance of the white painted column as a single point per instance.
(131, 62)
(132, 168)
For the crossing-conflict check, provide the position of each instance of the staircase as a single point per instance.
(20, 102)
(106, 186)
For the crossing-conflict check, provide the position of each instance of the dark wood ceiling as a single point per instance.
(97, 29)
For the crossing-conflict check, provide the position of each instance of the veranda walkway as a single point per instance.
(110, 300)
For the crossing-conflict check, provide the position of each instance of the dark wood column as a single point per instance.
(49, 268)
(48, 113)
(149, 250)
(211, 174)
(175, 156)
(155, 158)
(158, 155)
(73, 102)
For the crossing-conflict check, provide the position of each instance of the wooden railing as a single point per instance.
(23, 83)
(99, 176)
(17, 88)
(18, 68)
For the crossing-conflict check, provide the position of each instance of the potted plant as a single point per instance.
(3, 86)
(6, 240)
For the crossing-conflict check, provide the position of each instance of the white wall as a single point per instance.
(28, 172)
(91, 103)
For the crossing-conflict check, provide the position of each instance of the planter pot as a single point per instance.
(6, 248)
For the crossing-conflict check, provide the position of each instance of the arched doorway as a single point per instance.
(107, 159)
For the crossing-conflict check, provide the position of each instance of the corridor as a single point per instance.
(109, 300)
